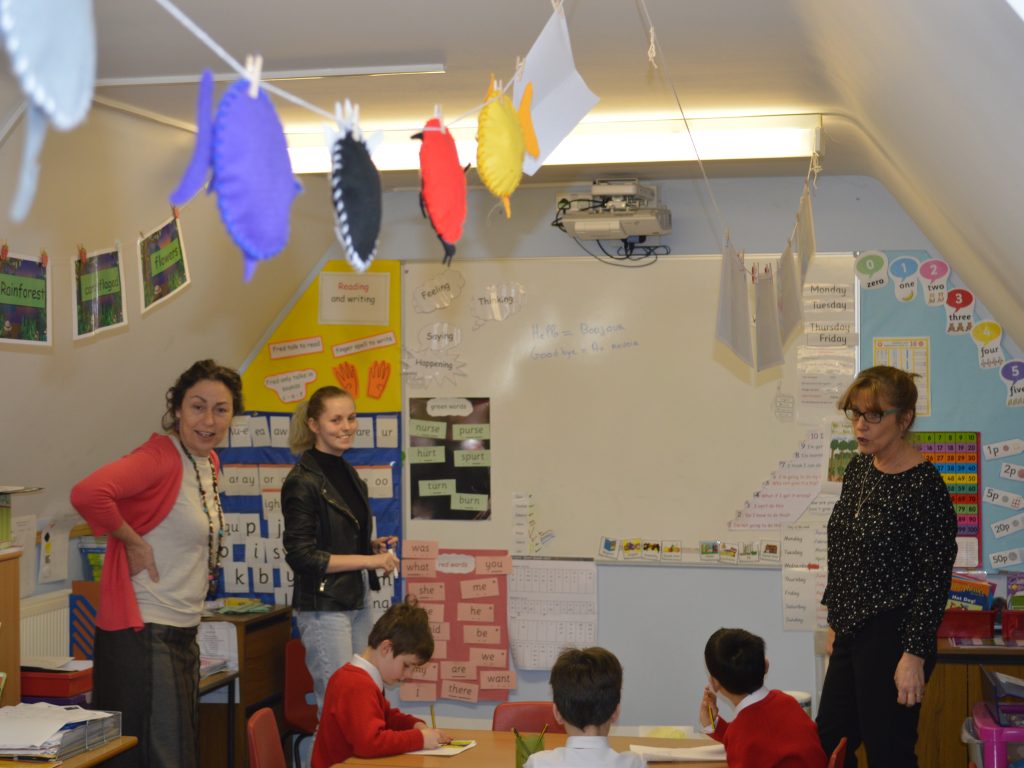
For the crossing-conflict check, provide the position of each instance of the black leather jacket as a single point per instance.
(318, 524)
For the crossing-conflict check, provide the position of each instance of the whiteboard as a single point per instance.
(612, 408)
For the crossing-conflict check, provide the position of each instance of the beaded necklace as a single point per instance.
(216, 534)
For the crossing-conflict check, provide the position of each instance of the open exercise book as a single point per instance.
(679, 754)
(453, 748)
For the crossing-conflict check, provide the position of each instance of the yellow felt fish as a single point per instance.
(502, 137)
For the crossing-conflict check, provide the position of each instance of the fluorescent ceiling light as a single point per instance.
(284, 74)
(608, 142)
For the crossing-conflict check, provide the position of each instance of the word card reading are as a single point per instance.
(458, 670)
(471, 588)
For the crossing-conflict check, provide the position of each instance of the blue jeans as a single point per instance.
(330, 639)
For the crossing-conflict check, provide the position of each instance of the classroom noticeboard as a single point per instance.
(612, 410)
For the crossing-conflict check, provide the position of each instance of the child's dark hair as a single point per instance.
(735, 658)
(407, 626)
(587, 685)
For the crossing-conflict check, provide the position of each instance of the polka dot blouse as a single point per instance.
(891, 544)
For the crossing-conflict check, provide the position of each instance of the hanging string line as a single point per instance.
(655, 45)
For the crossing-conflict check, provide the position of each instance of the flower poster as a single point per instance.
(97, 303)
(163, 269)
(24, 299)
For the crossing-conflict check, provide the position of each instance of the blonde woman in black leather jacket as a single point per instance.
(328, 541)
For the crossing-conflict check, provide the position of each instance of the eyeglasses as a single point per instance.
(871, 417)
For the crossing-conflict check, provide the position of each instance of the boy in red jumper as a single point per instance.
(769, 729)
(357, 719)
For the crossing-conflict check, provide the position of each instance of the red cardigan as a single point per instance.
(357, 720)
(139, 489)
(773, 733)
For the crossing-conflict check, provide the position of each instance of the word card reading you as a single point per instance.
(481, 634)
(471, 588)
(460, 691)
(489, 657)
(426, 591)
(486, 566)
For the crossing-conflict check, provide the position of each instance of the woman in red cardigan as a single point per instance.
(160, 508)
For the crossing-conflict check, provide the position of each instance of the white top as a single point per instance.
(585, 752)
(181, 550)
(371, 670)
(746, 701)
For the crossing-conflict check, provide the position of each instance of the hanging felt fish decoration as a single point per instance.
(355, 188)
(501, 141)
(442, 185)
(252, 174)
(52, 48)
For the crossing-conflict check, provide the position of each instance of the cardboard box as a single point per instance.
(35, 683)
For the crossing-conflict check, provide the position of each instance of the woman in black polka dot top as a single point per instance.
(891, 547)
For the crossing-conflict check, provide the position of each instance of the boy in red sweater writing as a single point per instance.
(357, 719)
(769, 728)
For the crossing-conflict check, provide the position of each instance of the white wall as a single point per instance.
(72, 407)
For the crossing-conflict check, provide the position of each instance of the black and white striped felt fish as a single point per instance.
(355, 189)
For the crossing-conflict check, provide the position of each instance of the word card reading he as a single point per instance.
(489, 657)
(458, 670)
(441, 630)
(483, 634)
(476, 612)
(425, 591)
(471, 588)
(460, 691)
(418, 692)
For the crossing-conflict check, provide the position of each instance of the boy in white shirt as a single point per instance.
(587, 687)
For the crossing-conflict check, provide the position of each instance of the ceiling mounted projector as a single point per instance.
(615, 209)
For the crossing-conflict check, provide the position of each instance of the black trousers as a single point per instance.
(858, 699)
(152, 678)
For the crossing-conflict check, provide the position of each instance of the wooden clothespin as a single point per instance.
(253, 70)
(175, 212)
(3, 251)
(81, 253)
(44, 259)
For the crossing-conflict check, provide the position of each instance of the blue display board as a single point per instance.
(917, 314)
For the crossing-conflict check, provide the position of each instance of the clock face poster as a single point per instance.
(163, 268)
(98, 304)
(25, 299)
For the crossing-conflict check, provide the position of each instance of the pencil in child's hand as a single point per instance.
(711, 715)
(433, 721)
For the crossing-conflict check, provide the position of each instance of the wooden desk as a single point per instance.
(98, 755)
(954, 688)
(497, 748)
(261, 640)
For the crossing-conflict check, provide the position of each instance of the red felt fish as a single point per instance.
(443, 185)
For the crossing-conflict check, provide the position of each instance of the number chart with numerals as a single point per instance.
(957, 456)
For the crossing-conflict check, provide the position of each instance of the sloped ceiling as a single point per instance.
(922, 94)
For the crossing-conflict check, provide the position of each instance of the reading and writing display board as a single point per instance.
(611, 411)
